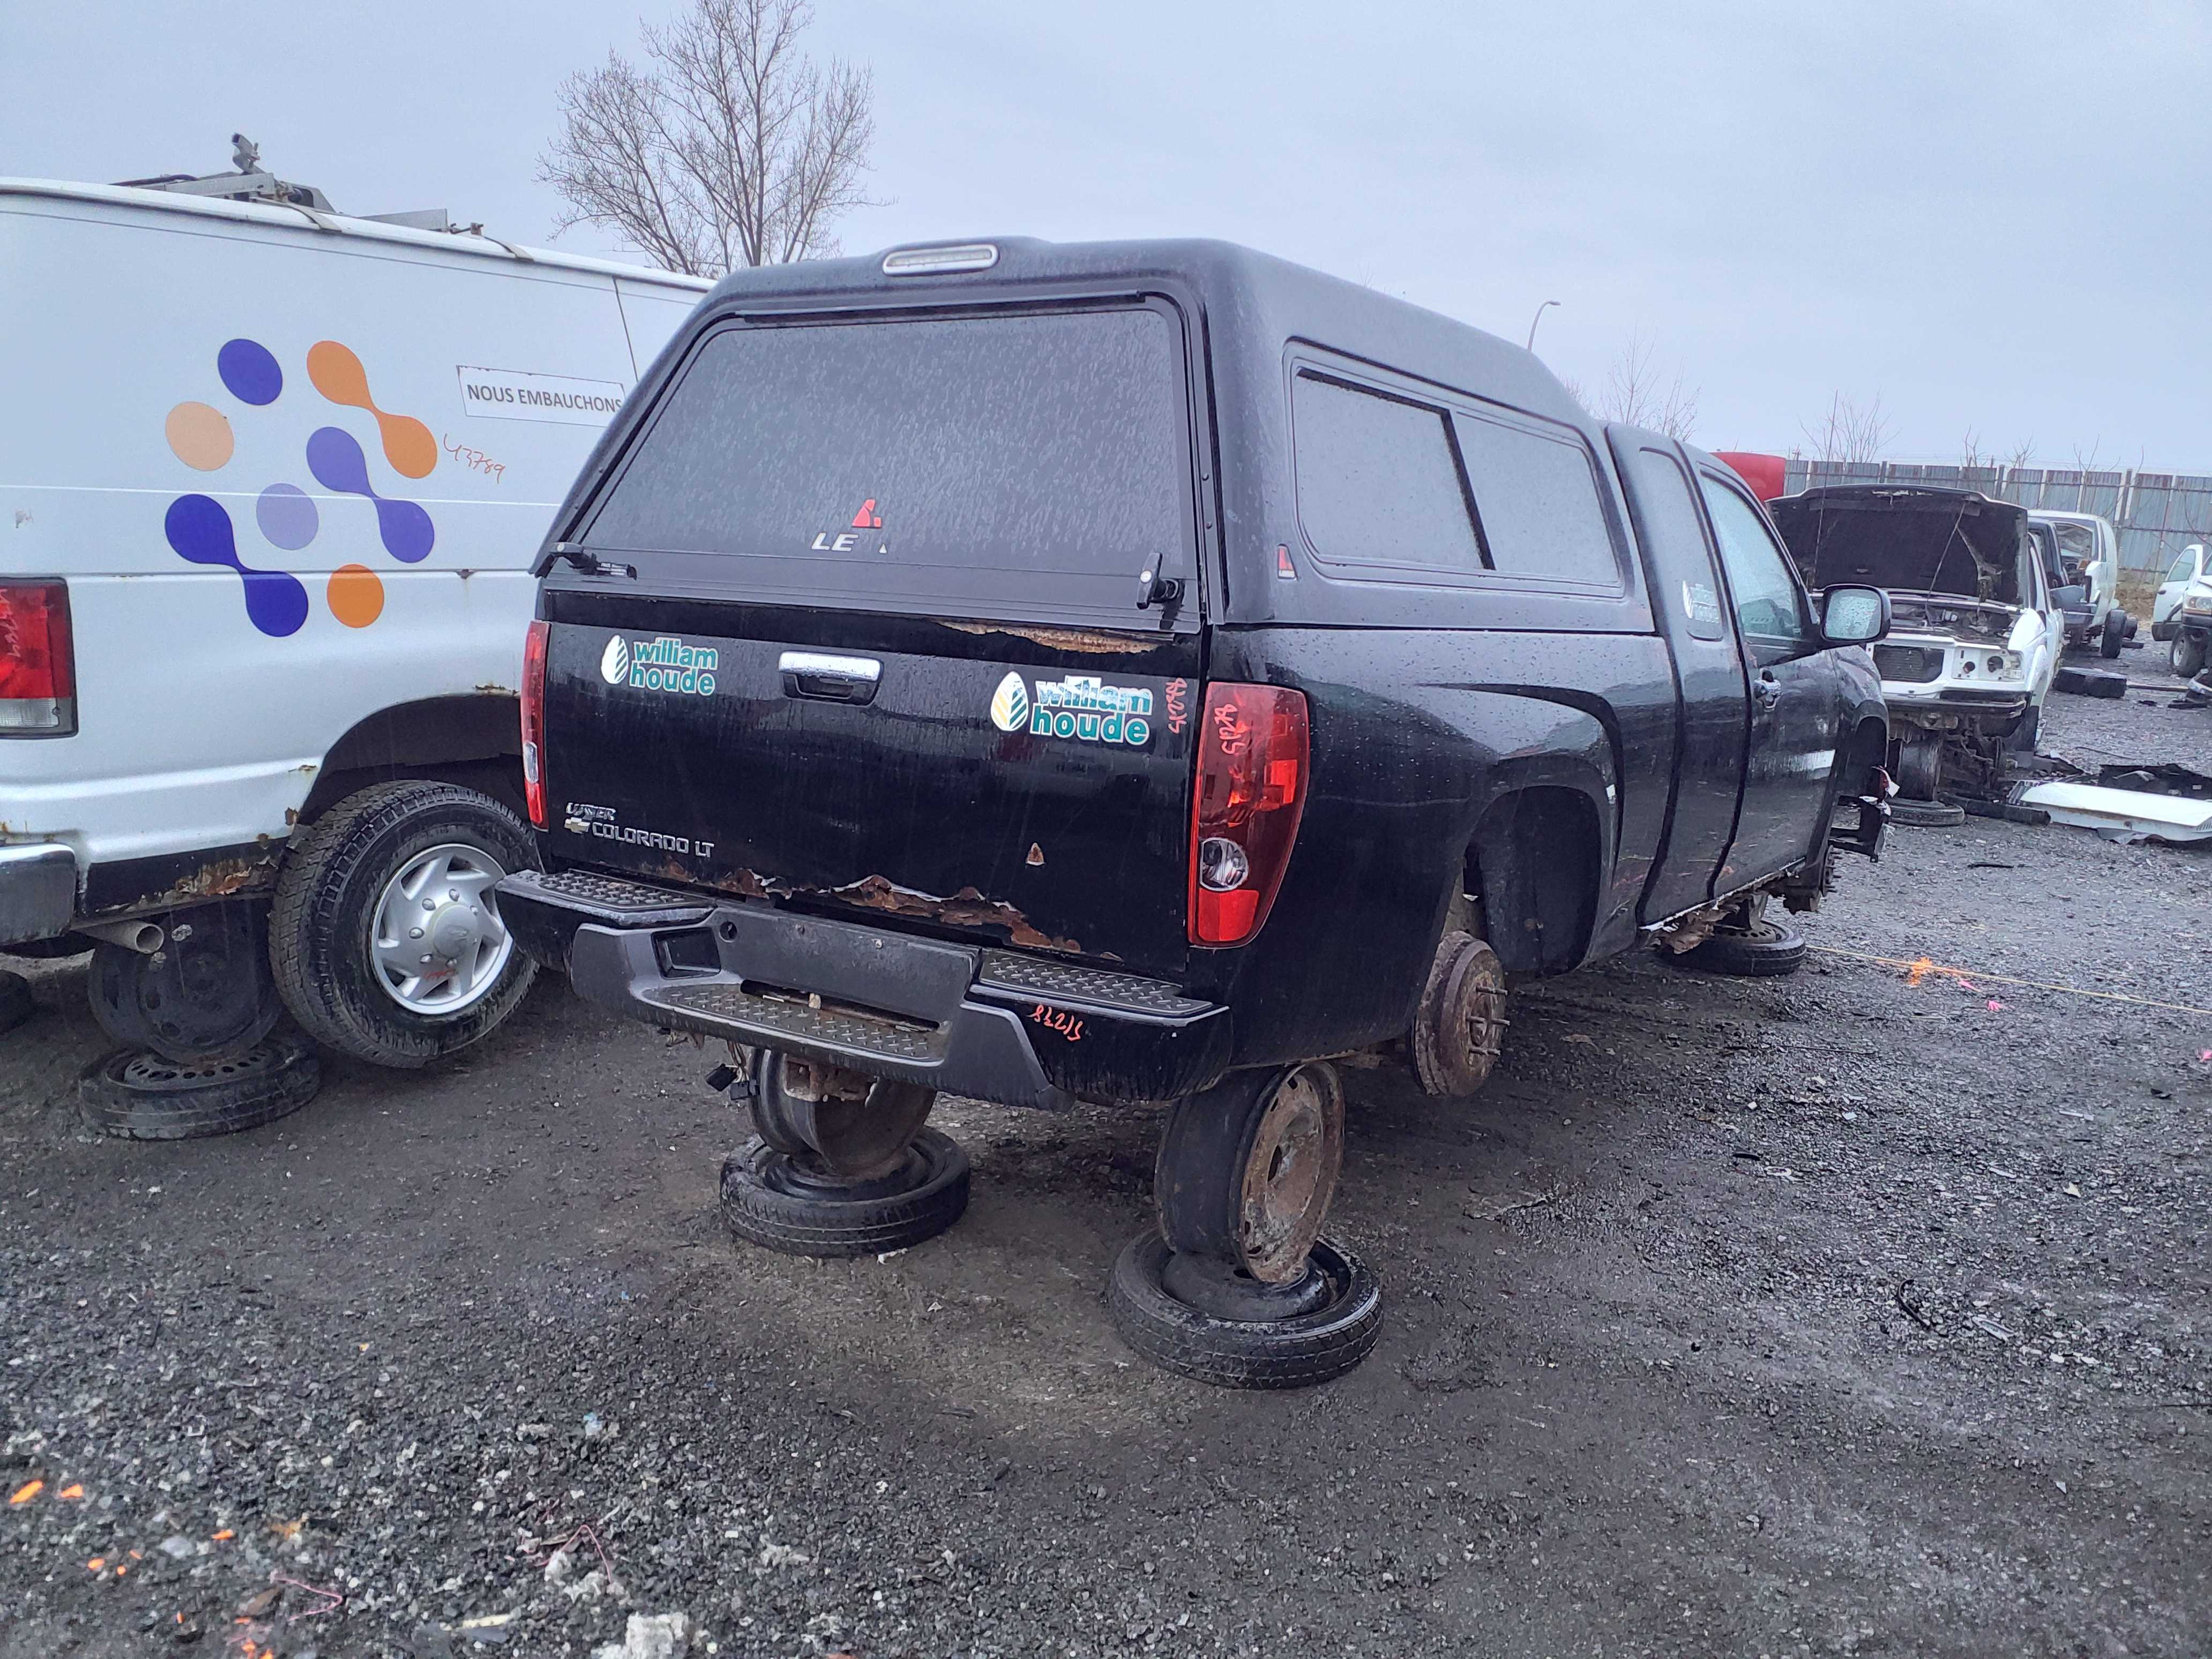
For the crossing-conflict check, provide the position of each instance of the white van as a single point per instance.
(271, 481)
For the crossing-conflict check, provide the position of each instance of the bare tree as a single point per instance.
(1849, 431)
(1637, 394)
(1972, 455)
(729, 147)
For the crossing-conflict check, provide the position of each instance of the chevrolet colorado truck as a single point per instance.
(1138, 673)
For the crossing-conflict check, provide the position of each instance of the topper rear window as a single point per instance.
(1024, 465)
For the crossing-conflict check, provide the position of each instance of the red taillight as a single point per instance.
(1252, 752)
(534, 721)
(38, 660)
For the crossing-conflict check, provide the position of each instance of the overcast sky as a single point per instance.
(1993, 216)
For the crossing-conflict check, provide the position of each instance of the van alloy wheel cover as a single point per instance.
(436, 942)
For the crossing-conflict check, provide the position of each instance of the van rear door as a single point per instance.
(901, 639)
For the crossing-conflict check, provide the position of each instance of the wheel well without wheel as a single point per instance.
(1536, 851)
(474, 740)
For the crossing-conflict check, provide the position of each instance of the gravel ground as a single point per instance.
(1858, 1312)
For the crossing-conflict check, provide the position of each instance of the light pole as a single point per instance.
(1537, 318)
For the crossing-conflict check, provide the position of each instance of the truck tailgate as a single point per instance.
(1027, 787)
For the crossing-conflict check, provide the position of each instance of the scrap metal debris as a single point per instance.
(2121, 815)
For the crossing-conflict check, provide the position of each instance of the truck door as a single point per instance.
(1688, 598)
(1789, 765)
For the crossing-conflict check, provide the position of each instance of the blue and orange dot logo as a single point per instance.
(199, 528)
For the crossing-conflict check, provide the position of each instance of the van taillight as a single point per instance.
(1252, 756)
(534, 721)
(38, 660)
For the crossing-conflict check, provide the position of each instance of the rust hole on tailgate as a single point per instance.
(965, 909)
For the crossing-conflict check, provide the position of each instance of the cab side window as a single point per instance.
(1769, 608)
(2181, 571)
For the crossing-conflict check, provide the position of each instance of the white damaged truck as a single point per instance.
(273, 478)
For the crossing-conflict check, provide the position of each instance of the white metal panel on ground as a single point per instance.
(2122, 814)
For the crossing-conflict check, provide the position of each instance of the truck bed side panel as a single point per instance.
(1400, 785)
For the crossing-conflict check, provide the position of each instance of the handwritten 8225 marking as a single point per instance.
(1060, 1020)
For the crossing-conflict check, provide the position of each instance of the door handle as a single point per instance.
(1767, 689)
(829, 679)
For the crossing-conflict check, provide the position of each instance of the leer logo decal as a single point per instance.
(848, 541)
(1081, 707)
(660, 665)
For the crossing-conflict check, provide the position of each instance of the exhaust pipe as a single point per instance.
(143, 937)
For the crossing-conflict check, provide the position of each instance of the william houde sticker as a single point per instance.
(660, 665)
(1081, 707)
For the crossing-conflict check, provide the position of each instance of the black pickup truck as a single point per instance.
(1135, 673)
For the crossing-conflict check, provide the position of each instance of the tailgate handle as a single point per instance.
(828, 678)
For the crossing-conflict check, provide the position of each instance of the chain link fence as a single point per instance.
(2156, 514)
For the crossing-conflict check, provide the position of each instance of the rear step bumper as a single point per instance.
(996, 1024)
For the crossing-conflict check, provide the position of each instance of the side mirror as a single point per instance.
(1854, 615)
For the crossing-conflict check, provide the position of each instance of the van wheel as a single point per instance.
(2186, 655)
(2116, 630)
(385, 936)
(206, 994)
(791, 1203)
(1206, 1321)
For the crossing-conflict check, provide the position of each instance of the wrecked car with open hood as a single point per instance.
(1147, 673)
(1976, 631)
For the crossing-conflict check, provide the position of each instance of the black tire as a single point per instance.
(142, 1097)
(769, 1199)
(2115, 634)
(320, 927)
(2091, 683)
(2186, 655)
(1280, 1353)
(1766, 947)
(16, 1003)
(1926, 814)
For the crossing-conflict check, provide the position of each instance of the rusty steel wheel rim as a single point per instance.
(1289, 1174)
